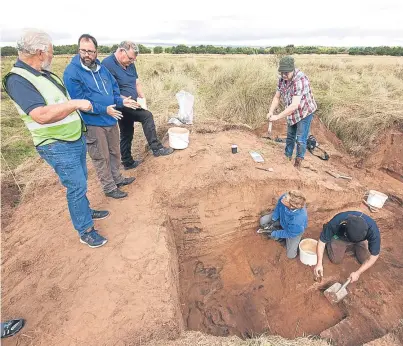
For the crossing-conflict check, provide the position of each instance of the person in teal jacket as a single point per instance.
(288, 221)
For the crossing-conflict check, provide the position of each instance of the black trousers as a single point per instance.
(130, 116)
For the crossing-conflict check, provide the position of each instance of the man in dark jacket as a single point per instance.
(121, 65)
(86, 78)
(350, 229)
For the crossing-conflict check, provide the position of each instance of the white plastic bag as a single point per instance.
(186, 101)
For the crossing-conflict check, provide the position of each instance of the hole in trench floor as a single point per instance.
(247, 286)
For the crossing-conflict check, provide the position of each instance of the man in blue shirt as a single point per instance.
(349, 229)
(86, 78)
(288, 221)
(121, 66)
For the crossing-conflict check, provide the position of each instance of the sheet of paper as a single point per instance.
(142, 102)
(256, 156)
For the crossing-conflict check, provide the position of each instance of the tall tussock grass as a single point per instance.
(358, 97)
(198, 338)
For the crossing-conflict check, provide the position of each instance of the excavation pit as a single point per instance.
(234, 281)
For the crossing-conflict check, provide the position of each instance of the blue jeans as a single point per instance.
(68, 161)
(299, 133)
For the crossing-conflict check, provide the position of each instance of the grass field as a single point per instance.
(358, 97)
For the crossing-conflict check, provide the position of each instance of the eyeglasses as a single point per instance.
(130, 59)
(85, 52)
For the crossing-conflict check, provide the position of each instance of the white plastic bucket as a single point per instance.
(376, 199)
(178, 137)
(307, 251)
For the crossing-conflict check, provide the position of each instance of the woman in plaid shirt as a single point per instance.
(295, 92)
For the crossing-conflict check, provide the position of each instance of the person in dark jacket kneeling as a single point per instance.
(349, 230)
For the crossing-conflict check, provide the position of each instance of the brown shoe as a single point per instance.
(298, 162)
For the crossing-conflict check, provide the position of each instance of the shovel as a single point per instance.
(336, 292)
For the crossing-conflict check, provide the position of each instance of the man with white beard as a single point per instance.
(56, 126)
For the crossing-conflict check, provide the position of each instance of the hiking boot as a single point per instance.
(289, 158)
(11, 327)
(298, 162)
(99, 214)
(126, 181)
(93, 239)
(162, 151)
(135, 164)
(116, 194)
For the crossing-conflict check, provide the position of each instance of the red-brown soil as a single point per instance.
(183, 252)
(10, 197)
(388, 155)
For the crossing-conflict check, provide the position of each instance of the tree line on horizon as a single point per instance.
(210, 49)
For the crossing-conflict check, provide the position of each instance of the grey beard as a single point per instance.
(47, 66)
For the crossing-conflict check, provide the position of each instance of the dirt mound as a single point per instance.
(388, 154)
(394, 338)
(183, 253)
(10, 197)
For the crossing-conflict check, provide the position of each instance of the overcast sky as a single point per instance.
(219, 22)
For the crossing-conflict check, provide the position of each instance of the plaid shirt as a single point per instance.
(298, 86)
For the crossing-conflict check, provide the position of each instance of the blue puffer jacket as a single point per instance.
(293, 222)
(98, 87)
